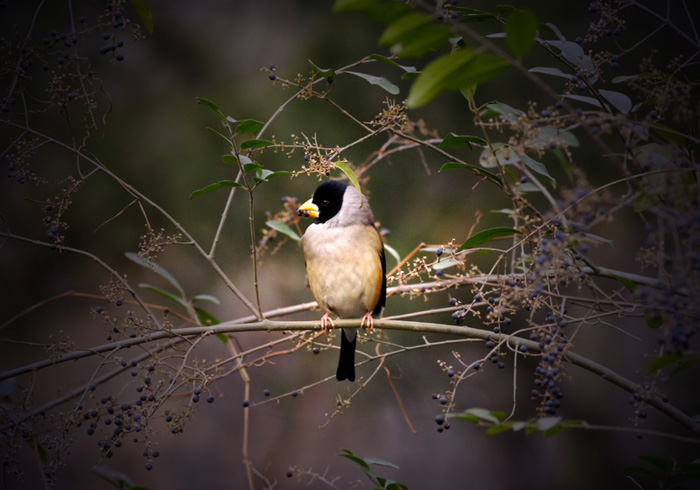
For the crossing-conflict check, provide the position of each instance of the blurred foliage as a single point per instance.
(532, 169)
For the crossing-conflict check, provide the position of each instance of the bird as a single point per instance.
(345, 263)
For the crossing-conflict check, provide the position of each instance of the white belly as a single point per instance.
(344, 268)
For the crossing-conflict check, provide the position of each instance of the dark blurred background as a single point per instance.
(154, 137)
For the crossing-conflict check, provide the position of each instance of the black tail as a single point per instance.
(346, 363)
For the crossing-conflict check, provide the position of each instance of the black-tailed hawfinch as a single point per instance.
(345, 263)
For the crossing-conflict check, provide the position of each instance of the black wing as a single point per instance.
(382, 296)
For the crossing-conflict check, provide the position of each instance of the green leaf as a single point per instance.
(246, 145)
(379, 462)
(446, 263)
(660, 363)
(497, 429)
(206, 318)
(396, 486)
(619, 100)
(668, 135)
(215, 186)
(418, 42)
(210, 104)
(629, 285)
(350, 174)
(546, 423)
(485, 173)
(554, 29)
(115, 478)
(583, 98)
(322, 72)
(283, 228)
(548, 134)
(155, 268)
(467, 14)
(504, 111)
(408, 69)
(264, 174)
(207, 297)
(165, 293)
(251, 167)
(221, 136)
(249, 126)
(653, 320)
(378, 12)
(530, 430)
(574, 54)
(564, 162)
(359, 461)
(481, 414)
(537, 167)
(624, 78)
(393, 253)
(452, 72)
(144, 13)
(598, 238)
(684, 365)
(379, 81)
(557, 429)
(521, 29)
(402, 26)
(486, 236)
(527, 187)
(457, 141)
(550, 71)
(229, 159)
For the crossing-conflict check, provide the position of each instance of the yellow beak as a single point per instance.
(308, 209)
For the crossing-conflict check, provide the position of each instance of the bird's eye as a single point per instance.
(324, 203)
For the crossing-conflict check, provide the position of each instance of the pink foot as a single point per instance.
(325, 322)
(370, 322)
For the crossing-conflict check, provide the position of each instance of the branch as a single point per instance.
(274, 326)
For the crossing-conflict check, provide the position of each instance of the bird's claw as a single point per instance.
(325, 321)
(370, 322)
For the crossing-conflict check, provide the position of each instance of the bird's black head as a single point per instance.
(329, 199)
